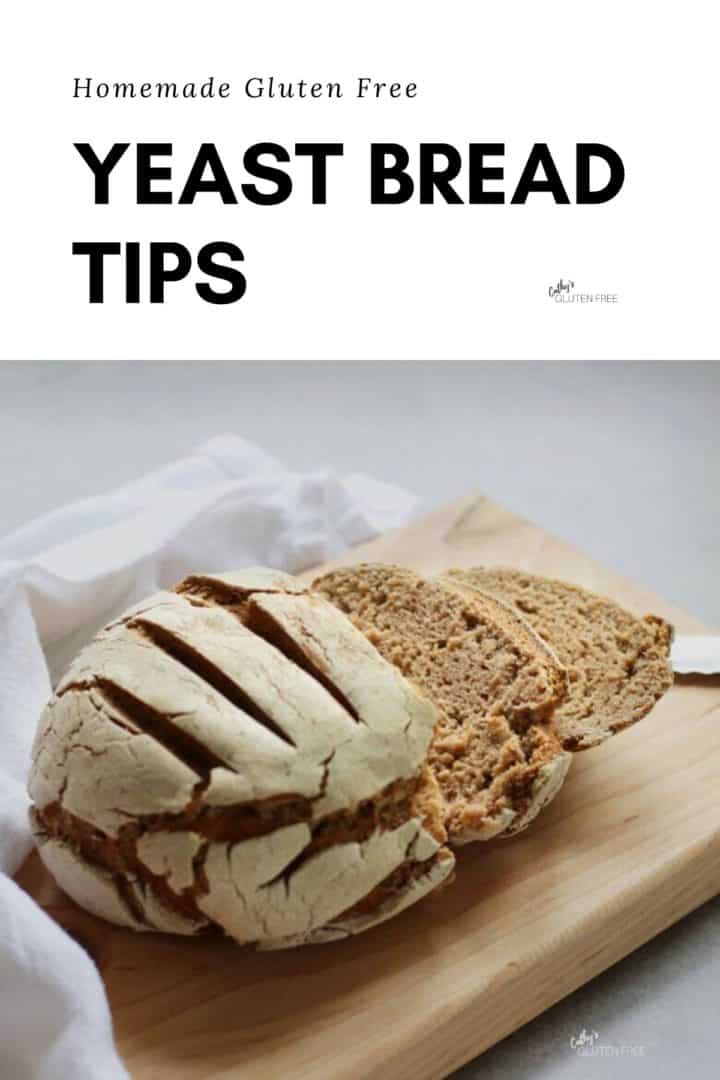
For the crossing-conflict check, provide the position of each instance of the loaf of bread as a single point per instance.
(236, 755)
(618, 664)
(495, 753)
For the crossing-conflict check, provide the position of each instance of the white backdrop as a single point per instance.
(351, 280)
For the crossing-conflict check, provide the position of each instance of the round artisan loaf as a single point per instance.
(235, 754)
(618, 664)
(495, 753)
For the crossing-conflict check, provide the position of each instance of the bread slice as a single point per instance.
(494, 682)
(618, 664)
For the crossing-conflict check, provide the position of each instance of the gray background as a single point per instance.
(623, 460)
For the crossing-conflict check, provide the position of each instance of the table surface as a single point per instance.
(621, 460)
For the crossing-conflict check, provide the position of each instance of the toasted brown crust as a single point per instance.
(618, 664)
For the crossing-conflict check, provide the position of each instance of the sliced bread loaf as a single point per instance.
(495, 683)
(236, 755)
(618, 664)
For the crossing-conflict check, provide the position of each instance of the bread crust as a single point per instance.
(236, 754)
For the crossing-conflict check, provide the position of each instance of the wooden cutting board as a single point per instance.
(631, 844)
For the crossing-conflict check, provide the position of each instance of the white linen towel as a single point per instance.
(227, 505)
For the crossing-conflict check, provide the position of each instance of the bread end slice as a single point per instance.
(618, 664)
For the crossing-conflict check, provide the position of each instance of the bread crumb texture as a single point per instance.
(236, 756)
(495, 683)
(618, 664)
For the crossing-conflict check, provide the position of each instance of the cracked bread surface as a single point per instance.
(236, 755)
(618, 664)
(495, 753)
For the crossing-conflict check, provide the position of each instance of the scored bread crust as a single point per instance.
(618, 664)
(495, 753)
(235, 754)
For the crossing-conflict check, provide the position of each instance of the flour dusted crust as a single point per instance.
(235, 754)
(618, 664)
(331, 882)
(433, 873)
(495, 753)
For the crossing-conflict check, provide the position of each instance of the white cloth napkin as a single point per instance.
(63, 576)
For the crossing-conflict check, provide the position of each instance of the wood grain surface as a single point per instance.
(630, 845)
